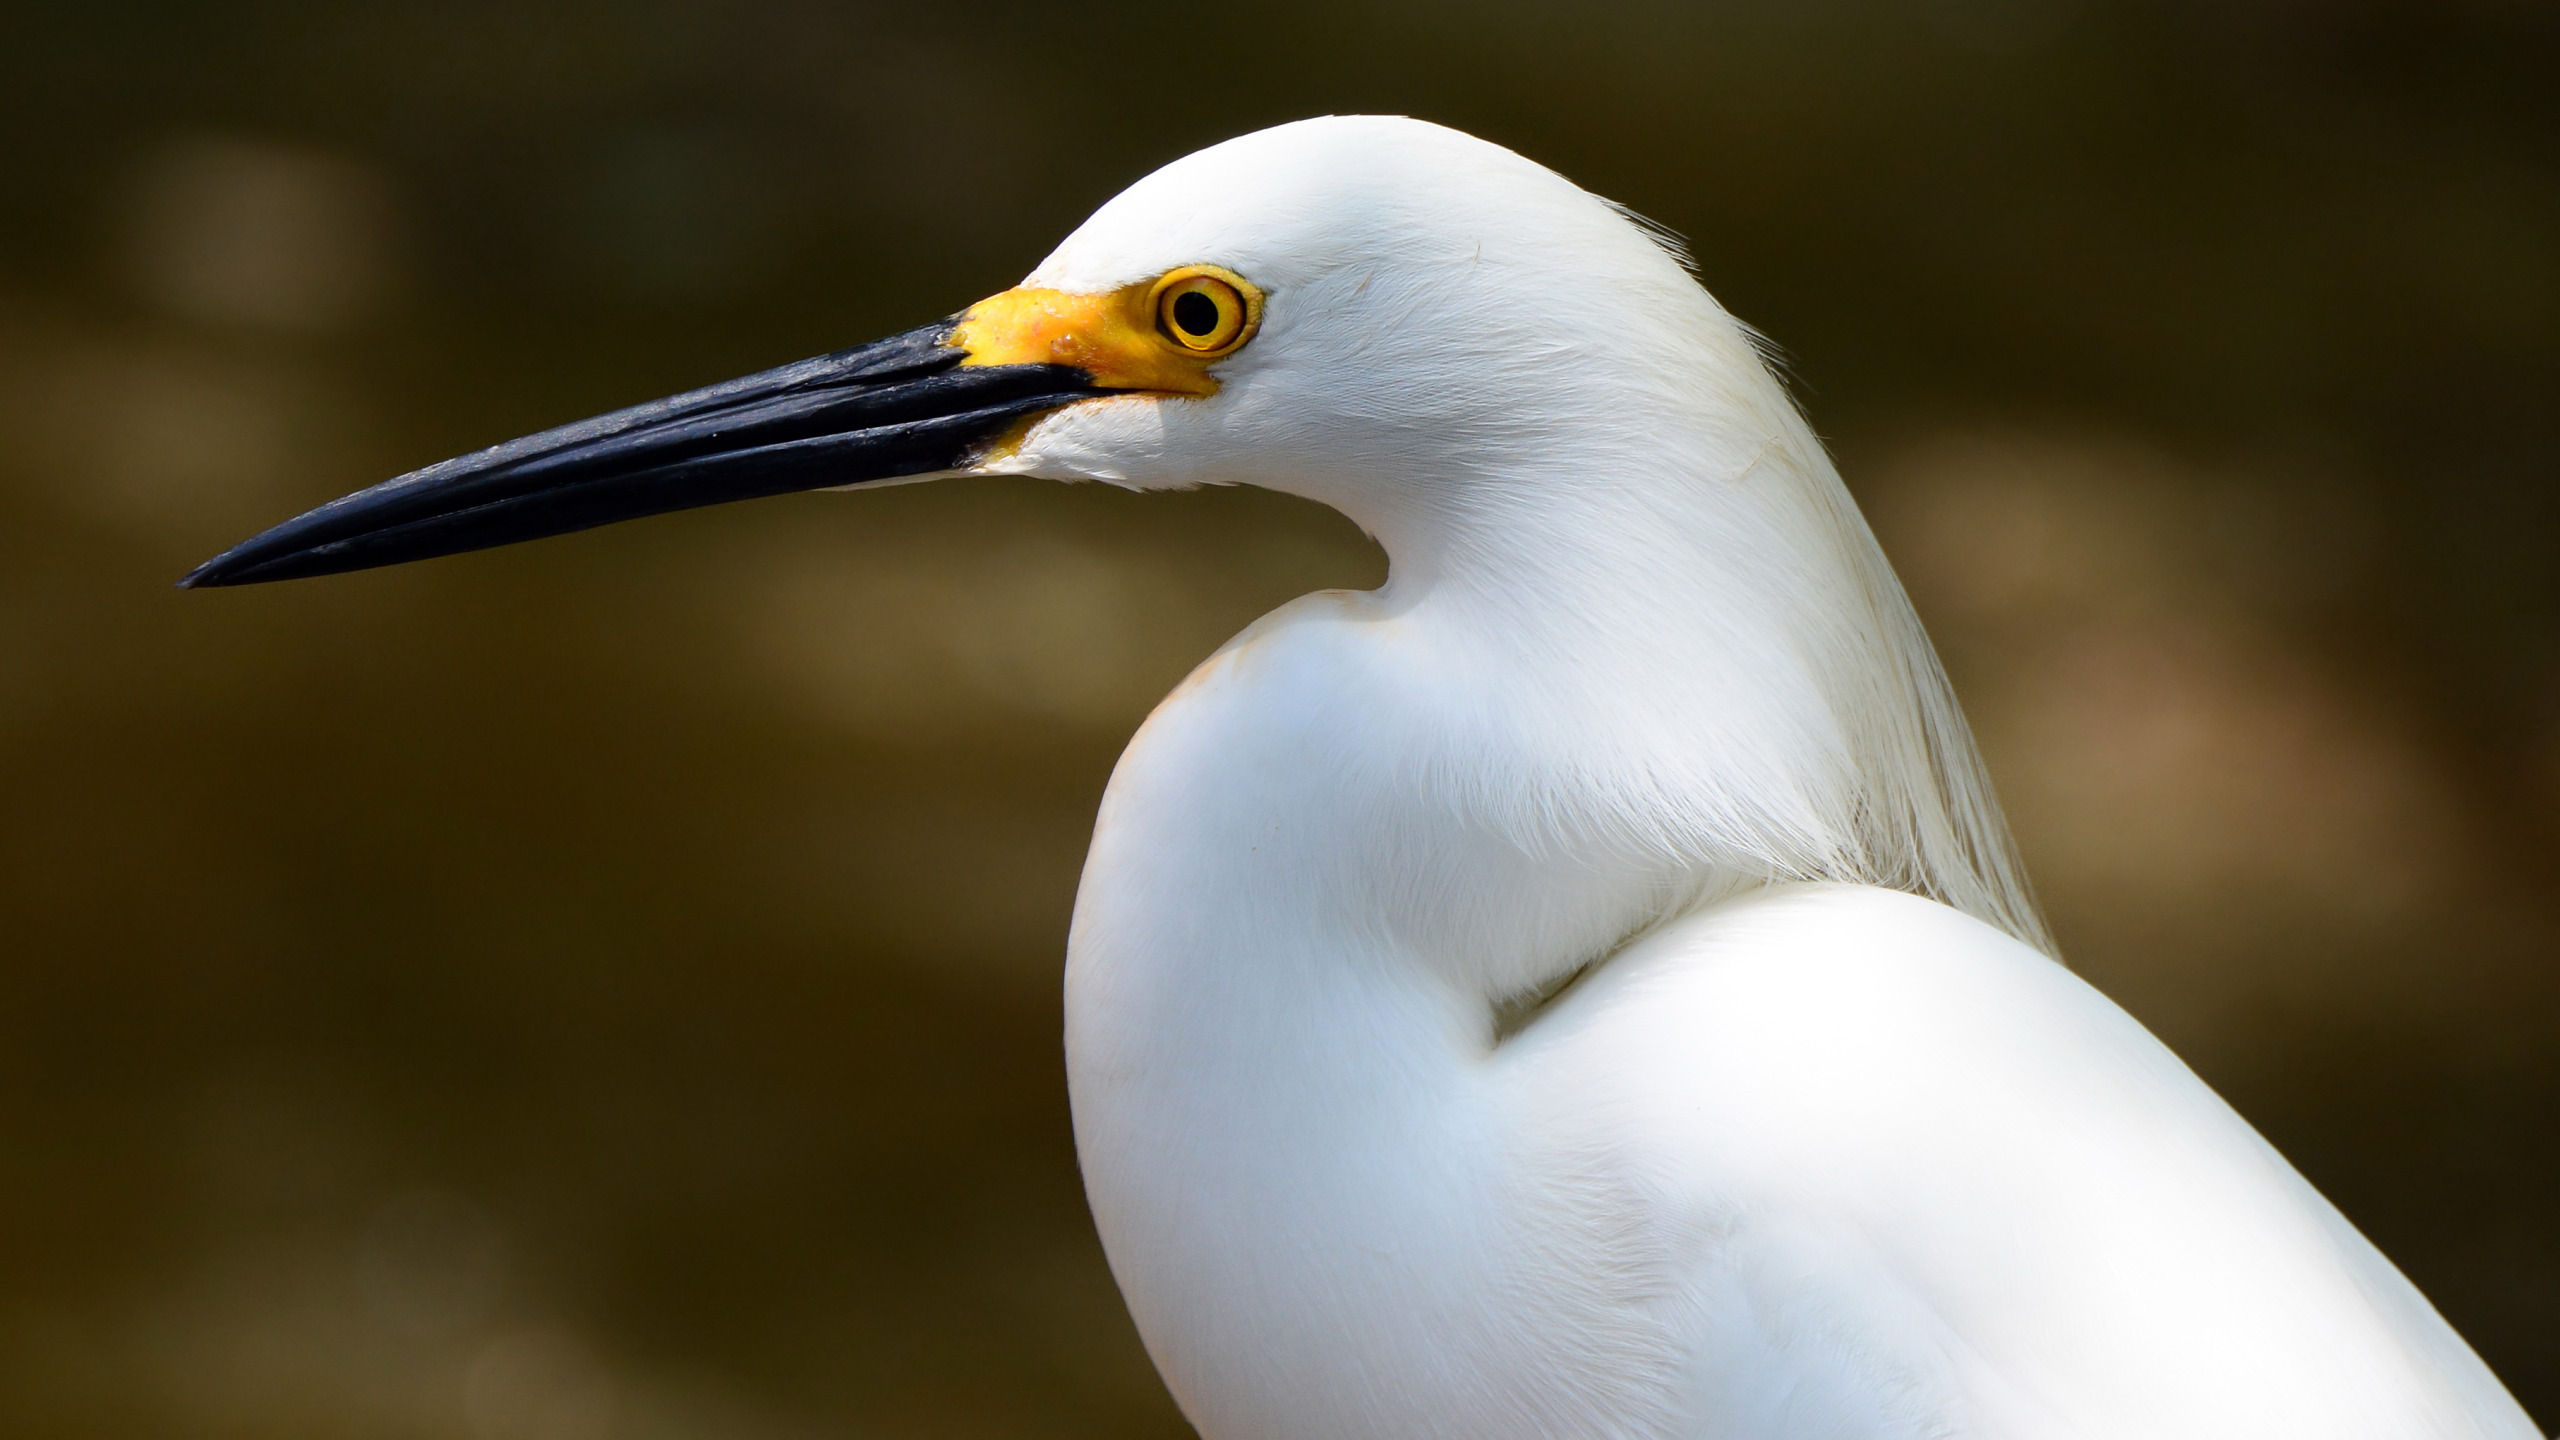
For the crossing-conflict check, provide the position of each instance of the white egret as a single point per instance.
(1582, 988)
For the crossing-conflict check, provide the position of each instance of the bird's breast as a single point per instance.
(1307, 1167)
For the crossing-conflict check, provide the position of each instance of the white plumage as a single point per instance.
(1797, 1155)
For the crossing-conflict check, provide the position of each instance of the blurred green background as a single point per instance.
(607, 988)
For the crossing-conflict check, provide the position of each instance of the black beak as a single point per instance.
(900, 407)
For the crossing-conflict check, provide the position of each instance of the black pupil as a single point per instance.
(1195, 313)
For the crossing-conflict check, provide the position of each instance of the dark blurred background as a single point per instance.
(607, 989)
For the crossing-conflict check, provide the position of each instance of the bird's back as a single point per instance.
(1927, 1182)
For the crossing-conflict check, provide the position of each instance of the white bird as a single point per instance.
(1583, 987)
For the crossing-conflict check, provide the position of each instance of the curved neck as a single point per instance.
(1676, 637)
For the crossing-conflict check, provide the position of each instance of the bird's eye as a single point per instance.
(1205, 310)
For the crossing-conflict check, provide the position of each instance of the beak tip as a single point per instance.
(214, 574)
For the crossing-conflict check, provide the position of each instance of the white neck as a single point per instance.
(1600, 686)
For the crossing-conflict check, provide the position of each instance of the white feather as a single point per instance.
(1801, 1156)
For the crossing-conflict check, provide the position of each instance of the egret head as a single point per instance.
(1429, 311)
(1367, 311)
